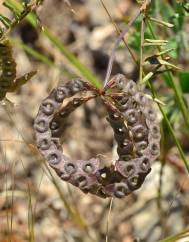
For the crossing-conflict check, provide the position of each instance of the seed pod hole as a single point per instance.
(120, 190)
(145, 164)
(141, 147)
(61, 93)
(88, 168)
(76, 102)
(54, 125)
(8, 73)
(48, 107)
(44, 144)
(115, 115)
(120, 83)
(76, 85)
(126, 143)
(54, 158)
(103, 175)
(8, 63)
(123, 100)
(41, 125)
(155, 131)
(125, 157)
(141, 99)
(131, 87)
(120, 130)
(154, 148)
(129, 170)
(131, 116)
(81, 181)
(150, 114)
(70, 168)
(133, 181)
(139, 132)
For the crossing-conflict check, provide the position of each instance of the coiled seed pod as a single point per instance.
(136, 131)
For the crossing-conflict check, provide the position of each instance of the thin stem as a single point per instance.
(141, 50)
(119, 39)
(174, 238)
(108, 218)
(119, 32)
(171, 130)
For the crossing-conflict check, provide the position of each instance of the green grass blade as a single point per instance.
(40, 57)
(174, 238)
(84, 71)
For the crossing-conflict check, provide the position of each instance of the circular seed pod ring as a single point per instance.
(135, 130)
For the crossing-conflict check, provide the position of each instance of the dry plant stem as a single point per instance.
(119, 32)
(141, 50)
(30, 207)
(176, 89)
(108, 218)
(119, 39)
(12, 195)
(162, 214)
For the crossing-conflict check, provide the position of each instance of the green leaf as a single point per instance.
(184, 81)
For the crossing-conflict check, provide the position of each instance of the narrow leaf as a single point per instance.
(169, 25)
(5, 21)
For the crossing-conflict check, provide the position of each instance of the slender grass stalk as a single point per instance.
(141, 50)
(31, 221)
(7, 197)
(176, 237)
(171, 130)
(84, 71)
(38, 56)
(12, 196)
(31, 215)
(108, 218)
(119, 31)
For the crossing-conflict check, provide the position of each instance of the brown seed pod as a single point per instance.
(136, 131)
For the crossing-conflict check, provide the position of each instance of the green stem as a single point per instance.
(176, 237)
(171, 130)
